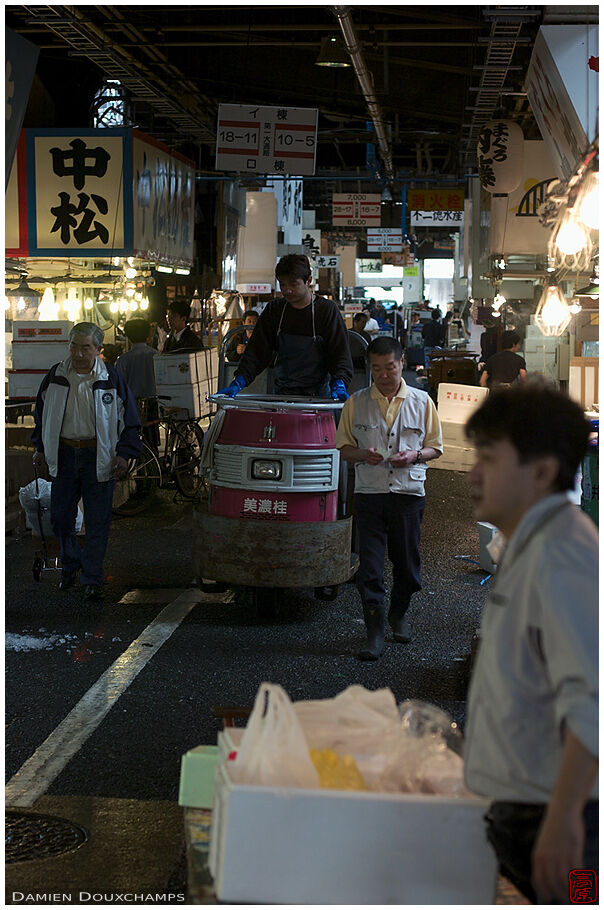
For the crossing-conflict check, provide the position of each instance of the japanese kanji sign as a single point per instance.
(266, 140)
(164, 202)
(327, 262)
(447, 219)
(79, 192)
(265, 507)
(436, 199)
(357, 209)
(366, 266)
(384, 239)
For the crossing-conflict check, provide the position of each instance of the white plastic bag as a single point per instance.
(273, 749)
(356, 722)
(34, 515)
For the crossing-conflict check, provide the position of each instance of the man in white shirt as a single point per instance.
(531, 740)
(388, 432)
(86, 428)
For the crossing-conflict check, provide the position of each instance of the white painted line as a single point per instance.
(36, 775)
(151, 595)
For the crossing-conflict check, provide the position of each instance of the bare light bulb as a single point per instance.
(130, 274)
(553, 314)
(589, 201)
(88, 304)
(575, 307)
(113, 306)
(133, 305)
(144, 304)
(571, 237)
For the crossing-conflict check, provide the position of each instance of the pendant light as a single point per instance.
(553, 314)
(588, 200)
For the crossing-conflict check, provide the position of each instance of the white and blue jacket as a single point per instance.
(115, 416)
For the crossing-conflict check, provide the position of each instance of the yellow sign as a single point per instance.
(436, 199)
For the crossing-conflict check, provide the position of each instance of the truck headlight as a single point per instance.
(266, 470)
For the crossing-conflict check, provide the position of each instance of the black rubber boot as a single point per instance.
(400, 627)
(375, 622)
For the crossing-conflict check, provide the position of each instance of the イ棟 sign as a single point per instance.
(266, 140)
(356, 209)
(450, 219)
(384, 240)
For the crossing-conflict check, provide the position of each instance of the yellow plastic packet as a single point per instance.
(337, 772)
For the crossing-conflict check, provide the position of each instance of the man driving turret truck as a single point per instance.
(302, 336)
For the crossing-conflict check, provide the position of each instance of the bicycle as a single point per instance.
(177, 459)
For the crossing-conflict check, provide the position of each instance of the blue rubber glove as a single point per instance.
(234, 388)
(338, 390)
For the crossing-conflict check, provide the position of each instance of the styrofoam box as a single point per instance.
(454, 458)
(454, 433)
(176, 369)
(190, 396)
(485, 536)
(35, 330)
(457, 402)
(40, 355)
(24, 383)
(273, 845)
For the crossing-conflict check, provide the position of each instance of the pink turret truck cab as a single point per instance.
(272, 518)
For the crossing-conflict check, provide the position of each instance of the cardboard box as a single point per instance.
(457, 402)
(38, 355)
(298, 846)
(24, 383)
(38, 330)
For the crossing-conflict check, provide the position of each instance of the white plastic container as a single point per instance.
(485, 536)
(190, 396)
(177, 369)
(294, 846)
(454, 458)
(39, 355)
(39, 330)
(454, 433)
(24, 383)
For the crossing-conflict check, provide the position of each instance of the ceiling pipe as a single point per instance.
(365, 78)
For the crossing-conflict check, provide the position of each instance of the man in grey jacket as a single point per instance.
(531, 740)
(86, 428)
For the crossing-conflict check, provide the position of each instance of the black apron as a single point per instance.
(300, 366)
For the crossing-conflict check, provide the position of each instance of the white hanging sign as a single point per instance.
(437, 219)
(266, 140)
(327, 262)
(357, 209)
(384, 239)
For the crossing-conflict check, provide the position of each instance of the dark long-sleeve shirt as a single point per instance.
(329, 325)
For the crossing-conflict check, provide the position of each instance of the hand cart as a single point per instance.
(42, 561)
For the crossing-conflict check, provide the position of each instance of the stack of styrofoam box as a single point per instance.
(36, 347)
(289, 845)
(183, 380)
(455, 404)
(545, 355)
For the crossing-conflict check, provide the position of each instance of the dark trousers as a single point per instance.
(393, 520)
(512, 829)
(76, 478)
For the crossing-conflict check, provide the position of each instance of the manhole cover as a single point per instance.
(29, 836)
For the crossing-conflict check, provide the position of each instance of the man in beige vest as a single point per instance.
(388, 431)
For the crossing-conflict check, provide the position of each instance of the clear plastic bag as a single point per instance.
(29, 497)
(273, 749)
(427, 756)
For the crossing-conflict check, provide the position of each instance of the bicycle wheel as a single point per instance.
(188, 445)
(144, 478)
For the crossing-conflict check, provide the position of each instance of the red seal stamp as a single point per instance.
(583, 885)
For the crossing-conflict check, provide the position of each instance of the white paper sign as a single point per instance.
(266, 140)
(384, 239)
(357, 209)
(327, 262)
(437, 219)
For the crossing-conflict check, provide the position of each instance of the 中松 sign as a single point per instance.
(437, 219)
(384, 240)
(79, 192)
(266, 140)
(356, 209)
